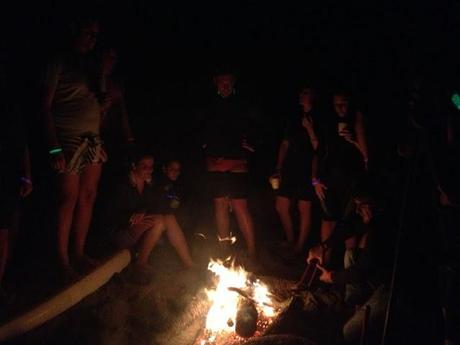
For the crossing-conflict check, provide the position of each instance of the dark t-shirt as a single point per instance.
(227, 122)
(169, 196)
(300, 152)
(126, 201)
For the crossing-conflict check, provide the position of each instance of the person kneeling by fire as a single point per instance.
(368, 275)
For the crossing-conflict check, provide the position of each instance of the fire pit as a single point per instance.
(241, 306)
(234, 307)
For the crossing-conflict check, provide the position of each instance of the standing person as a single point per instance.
(227, 143)
(15, 174)
(72, 116)
(294, 169)
(115, 127)
(345, 161)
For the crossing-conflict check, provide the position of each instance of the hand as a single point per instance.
(316, 253)
(326, 276)
(444, 199)
(26, 187)
(276, 174)
(136, 218)
(307, 123)
(365, 212)
(150, 220)
(58, 162)
(348, 136)
(319, 190)
(246, 146)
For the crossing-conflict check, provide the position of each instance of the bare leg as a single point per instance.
(148, 240)
(282, 206)
(245, 223)
(305, 224)
(3, 252)
(177, 239)
(89, 181)
(68, 194)
(222, 216)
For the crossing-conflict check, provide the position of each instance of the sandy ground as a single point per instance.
(122, 312)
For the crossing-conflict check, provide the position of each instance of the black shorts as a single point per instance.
(296, 186)
(228, 184)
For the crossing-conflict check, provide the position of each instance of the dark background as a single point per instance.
(167, 52)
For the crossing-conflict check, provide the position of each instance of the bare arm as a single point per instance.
(26, 179)
(360, 131)
(49, 88)
(282, 154)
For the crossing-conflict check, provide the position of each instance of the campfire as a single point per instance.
(241, 306)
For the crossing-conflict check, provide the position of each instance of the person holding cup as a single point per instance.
(345, 163)
(293, 173)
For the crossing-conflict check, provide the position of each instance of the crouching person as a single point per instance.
(133, 219)
(369, 273)
(169, 202)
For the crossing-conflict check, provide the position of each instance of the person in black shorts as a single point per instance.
(294, 169)
(228, 129)
(344, 162)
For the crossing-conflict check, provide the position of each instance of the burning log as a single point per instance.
(246, 318)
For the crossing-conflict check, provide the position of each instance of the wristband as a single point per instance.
(26, 180)
(55, 151)
(315, 182)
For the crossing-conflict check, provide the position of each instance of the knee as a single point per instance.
(87, 196)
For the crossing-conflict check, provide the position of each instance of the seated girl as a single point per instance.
(133, 216)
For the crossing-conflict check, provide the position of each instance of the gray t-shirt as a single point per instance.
(75, 107)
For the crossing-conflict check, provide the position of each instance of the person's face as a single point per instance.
(108, 61)
(225, 84)
(86, 38)
(340, 105)
(173, 170)
(143, 169)
(306, 97)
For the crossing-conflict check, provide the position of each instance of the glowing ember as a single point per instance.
(233, 285)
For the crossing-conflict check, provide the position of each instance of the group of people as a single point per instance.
(322, 159)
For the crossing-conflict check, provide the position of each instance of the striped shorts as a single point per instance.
(83, 151)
